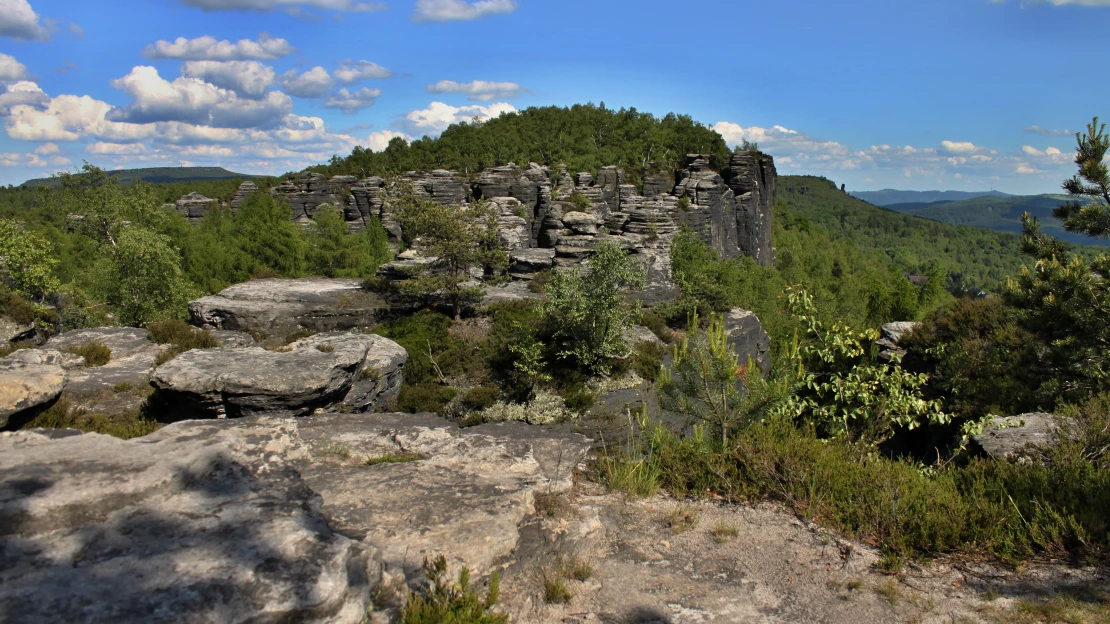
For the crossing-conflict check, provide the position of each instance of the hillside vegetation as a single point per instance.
(974, 257)
(889, 197)
(1001, 214)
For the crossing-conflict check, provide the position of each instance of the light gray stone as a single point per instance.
(748, 339)
(1007, 436)
(281, 306)
(196, 523)
(312, 373)
(29, 381)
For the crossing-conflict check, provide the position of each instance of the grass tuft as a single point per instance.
(724, 532)
(182, 336)
(394, 458)
(455, 603)
(95, 353)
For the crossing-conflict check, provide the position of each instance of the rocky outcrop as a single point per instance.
(748, 339)
(194, 523)
(29, 381)
(245, 190)
(731, 210)
(890, 335)
(194, 206)
(281, 306)
(1007, 436)
(13, 331)
(359, 370)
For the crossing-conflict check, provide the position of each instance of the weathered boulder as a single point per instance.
(29, 381)
(1007, 436)
(13, 331)
(311, 373)
(748, 339)
(195, 523)
(581, 222)
(438, 489)
(281, 306)
(441, 186)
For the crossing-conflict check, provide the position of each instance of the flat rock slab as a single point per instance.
(195, 523)
(465, 497)
(281, 306)
(29, 381)
(133, 358)
(308, 374)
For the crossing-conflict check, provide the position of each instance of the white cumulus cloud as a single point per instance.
(378, 141)
(1035, 129)
(459, 10)
(351, 102)
(438, 116)
(207, 48)
(350, 72)
(313, 83)
(194, 101)
(479, 90)
(19, 20)
(247, 78)
(11, 70)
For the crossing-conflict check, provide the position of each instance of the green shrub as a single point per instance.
(580, 201)
(181, 335)
(63, 415)
(1011, 510)
(15, 307)
(425, 397)
(657, 325)
(481, 397)
(580, 400)
(454, 603)
(12, 347)
(95, 353)
(647, 360)
(981, 360)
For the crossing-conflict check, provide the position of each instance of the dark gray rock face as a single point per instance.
(29, 381)
(245, 190)
(752, 178)
(357, 369)
(194, 205)
(281, 306)
(199, 522)
(308, 192)
(440, 186)
(748, 339)
(1009, 435)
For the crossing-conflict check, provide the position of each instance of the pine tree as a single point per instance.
(1091, 217)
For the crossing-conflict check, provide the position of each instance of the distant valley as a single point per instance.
(991, 210)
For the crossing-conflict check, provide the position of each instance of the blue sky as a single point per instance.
(911, 94)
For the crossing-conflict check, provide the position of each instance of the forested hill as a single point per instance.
(974, 257)
(888, 197)
(585, 137)
(1002, 214)
(160, 175)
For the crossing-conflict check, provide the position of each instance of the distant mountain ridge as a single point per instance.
(1001, 214)
(161, 174)
(888, 197)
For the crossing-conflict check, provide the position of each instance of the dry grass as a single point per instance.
(683, 518)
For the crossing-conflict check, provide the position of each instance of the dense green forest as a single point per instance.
(973, 257)
(584, 137)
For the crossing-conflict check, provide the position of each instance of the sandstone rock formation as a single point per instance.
(194, 523)
(282, 306)
(29, 380)
(730, 210)
(194, 205)
(891, 333)
(360, 370)
(245, 190)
